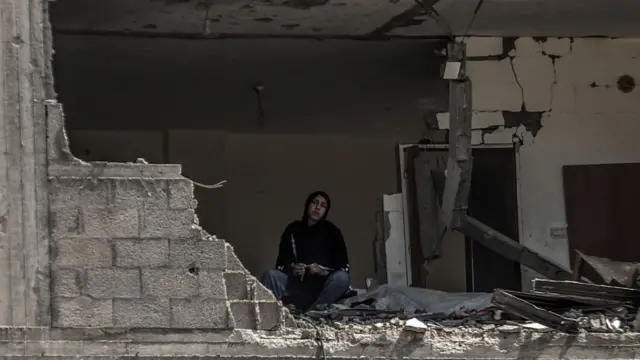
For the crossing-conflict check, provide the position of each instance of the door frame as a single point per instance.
(405, 200)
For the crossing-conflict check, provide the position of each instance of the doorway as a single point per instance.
(493, 200)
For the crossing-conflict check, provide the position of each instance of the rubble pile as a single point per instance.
(552, 305)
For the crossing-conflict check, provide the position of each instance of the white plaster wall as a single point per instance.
(586, 119)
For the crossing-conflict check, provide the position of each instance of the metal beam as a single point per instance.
(512, 249)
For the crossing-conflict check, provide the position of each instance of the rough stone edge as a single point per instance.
(62, 164)
(436, 344)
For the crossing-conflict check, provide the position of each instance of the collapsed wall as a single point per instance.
(559, 102)
(127, 251)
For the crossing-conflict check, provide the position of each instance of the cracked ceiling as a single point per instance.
(344, 18)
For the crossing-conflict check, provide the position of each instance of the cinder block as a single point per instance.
(66, 282)
(236, 284)
(262, 293)
(111, 222)
(233, 263)
(483, 46)
(113, 283)
(82, 253)
(82, 312)
(169, 283)
(494, 86)
(499, 136)
(269, 315)
(199, 314)
(181, 194)
(204, 254)
(65, 221)
(142, 313)
(142, 253)
(557, 46)
(526, 46)
(211, 284)
(536, 76)
(134, 192)
(172, 224)
(244, 314)
(65, 191)
(476, 137)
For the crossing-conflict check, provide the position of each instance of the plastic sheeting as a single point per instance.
(394, 298)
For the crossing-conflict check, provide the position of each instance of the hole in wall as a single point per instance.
(626, 83)
(193, 270)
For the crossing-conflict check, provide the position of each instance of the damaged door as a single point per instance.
(493, 200)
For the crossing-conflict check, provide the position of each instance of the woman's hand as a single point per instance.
(315, 269)
(299, 269)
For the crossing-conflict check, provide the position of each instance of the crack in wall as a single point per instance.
(515, 75)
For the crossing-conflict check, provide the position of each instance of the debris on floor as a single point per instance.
(552, 305)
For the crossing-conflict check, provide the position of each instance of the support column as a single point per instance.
(458, 183)
(24, 245)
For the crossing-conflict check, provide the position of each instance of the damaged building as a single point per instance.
(139, 134)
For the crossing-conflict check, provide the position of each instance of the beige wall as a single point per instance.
(269, 177)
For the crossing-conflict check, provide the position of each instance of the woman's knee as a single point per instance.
(340, 278)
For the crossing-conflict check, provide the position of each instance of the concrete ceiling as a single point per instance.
(335, 18)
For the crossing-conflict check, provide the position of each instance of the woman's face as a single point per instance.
(317, 208)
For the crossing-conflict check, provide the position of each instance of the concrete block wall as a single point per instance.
(127, 251)
(560, 101)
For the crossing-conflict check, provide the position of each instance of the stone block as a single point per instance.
(236, 285)
(142, 313)
(483, 46)
(65, 221)
(142, 252)
(172, 224)
(244, 314)
(233, 263)
(536, 76)
(476, 137)
(269, 315)
(169, 283)
(181, 194)
(261, 293)
(66, 282)
(494, 86)
(113, 283)
(82, 252)
(82, 312)
(204, 254)
(499, 136)
(111, 222)
(211, 284)
(135, 192)
(199, 314)
(557, 46)
(66, 191)
(115, 170)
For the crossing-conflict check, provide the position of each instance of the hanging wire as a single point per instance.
(323, 352)
(442, 22)
(473, 19)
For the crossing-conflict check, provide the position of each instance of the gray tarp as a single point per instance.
(396, 298)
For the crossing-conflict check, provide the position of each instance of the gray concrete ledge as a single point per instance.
(296, 344)
(115, 170)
